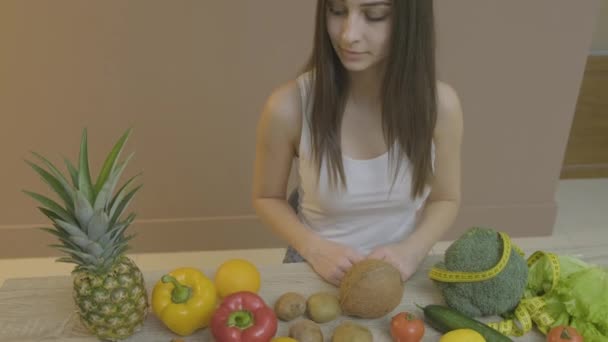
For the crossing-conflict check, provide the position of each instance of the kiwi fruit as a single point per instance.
(323, 307)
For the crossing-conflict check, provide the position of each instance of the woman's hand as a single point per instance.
(330, 260)
(405, 258)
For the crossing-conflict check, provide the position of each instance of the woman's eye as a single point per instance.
(376, 15)
(336, 10)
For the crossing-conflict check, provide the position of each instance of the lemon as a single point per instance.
(462, 335)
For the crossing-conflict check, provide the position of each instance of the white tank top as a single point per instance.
(367, 213)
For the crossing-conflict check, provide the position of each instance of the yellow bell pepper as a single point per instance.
(184, 300)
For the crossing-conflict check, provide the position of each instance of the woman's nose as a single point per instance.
(351, 30)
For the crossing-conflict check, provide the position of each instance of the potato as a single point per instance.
(351, 332)
(306, 330)
(323, 307)
(289, 306)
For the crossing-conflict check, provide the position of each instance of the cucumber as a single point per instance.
(445, 319)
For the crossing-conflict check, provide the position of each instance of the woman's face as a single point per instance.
(359, 31)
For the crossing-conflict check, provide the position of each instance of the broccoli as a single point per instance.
(480, 249)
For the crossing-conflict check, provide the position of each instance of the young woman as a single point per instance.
(377, 138)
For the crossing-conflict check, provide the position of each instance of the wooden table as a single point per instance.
(34, 309)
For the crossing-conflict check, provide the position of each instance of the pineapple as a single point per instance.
(109, 289)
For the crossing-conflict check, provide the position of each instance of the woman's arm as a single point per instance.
(443, 203)
(278, 136)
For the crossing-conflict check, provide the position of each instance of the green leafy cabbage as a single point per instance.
(580, 298)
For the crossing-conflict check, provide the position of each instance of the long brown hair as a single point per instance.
(408, 93)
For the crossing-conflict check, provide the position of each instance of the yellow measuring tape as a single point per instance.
(529, 310)
(467, 277)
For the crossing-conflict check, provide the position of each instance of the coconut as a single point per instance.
(371, 289)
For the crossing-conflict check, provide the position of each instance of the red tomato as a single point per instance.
(564, 334)
(406, 327)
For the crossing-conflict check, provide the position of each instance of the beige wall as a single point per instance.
(191, 77)
(600, 33)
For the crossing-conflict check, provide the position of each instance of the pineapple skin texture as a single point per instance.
(114, 305)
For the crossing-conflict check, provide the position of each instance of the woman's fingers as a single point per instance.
(378, 254)
(355, 257)
(336, 277)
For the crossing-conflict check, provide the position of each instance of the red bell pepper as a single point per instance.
(243, 317)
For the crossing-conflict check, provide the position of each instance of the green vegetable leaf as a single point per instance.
(585, 295)
(84, 176)
(108, 165)
(83, 210)
(62, 237)
(51, 205)
(73, 172)
(51, 215)
(71, 229)
(68, 260)
(580, 298)
(104, 196)
(57, 183)
(98, 225)
(121, 193)
(119, 207)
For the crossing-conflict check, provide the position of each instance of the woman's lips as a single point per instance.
(351, 55)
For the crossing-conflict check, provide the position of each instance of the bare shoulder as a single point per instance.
(447, 100)
(282, 113)
(284, 101)
(449, 109)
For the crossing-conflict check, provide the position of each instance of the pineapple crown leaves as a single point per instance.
(89, 217)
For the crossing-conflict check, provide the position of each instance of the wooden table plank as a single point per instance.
(32, 309)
